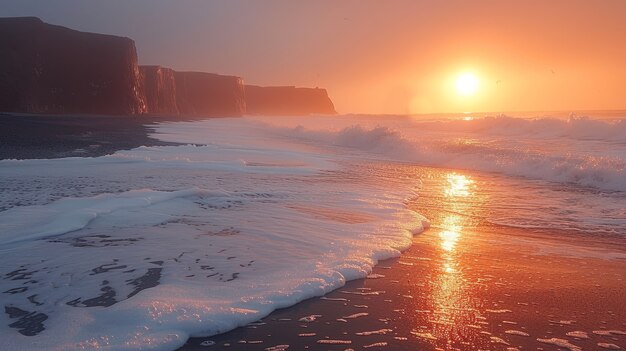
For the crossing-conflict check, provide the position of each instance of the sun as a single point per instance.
(466, 84)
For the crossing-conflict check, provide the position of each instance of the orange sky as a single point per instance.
(381, 56)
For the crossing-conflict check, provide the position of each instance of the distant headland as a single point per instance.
(51, 69)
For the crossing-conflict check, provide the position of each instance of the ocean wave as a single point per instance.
(471, 145)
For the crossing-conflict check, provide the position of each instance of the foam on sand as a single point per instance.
(562, 343)
(147, 247)
(71, 214)
(609, 346)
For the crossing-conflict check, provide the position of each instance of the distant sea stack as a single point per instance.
(159, 86)
(52, 69)
(208, 94)
(287, 101)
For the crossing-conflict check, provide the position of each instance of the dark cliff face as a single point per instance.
(53, 69)
(280, 101)
(159, 85)
(207, 94)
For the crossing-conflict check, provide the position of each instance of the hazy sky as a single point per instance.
(380, 56)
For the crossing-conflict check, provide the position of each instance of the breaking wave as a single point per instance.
(580, 151)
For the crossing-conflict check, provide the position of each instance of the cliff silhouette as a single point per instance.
(287, 100)
(51, 69)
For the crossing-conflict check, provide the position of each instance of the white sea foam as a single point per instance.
(71, 214)
(375, 332)
(578, 334)
(147, 247)
(609, 346)
(562, 343)
(516, 332)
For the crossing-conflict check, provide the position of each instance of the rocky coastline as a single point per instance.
(50, 69)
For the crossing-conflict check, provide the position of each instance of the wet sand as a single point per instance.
(479, 287)
(29, 136)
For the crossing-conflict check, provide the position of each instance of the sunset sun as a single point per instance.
(466, 84)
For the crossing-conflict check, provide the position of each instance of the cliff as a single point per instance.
(52, 69)
(55, 70)
(287, 100)
(208, 94)
(159, 86)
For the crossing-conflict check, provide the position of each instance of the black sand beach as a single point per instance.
(29, 136)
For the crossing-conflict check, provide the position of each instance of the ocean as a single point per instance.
(147, 247)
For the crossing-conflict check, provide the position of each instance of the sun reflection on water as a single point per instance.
(458, 185)
(451, 232)
(451, 292)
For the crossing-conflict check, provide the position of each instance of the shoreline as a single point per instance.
(38, 136)
(462, 285)
(431, 298)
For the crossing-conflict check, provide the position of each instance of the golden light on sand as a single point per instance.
(467, 84)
